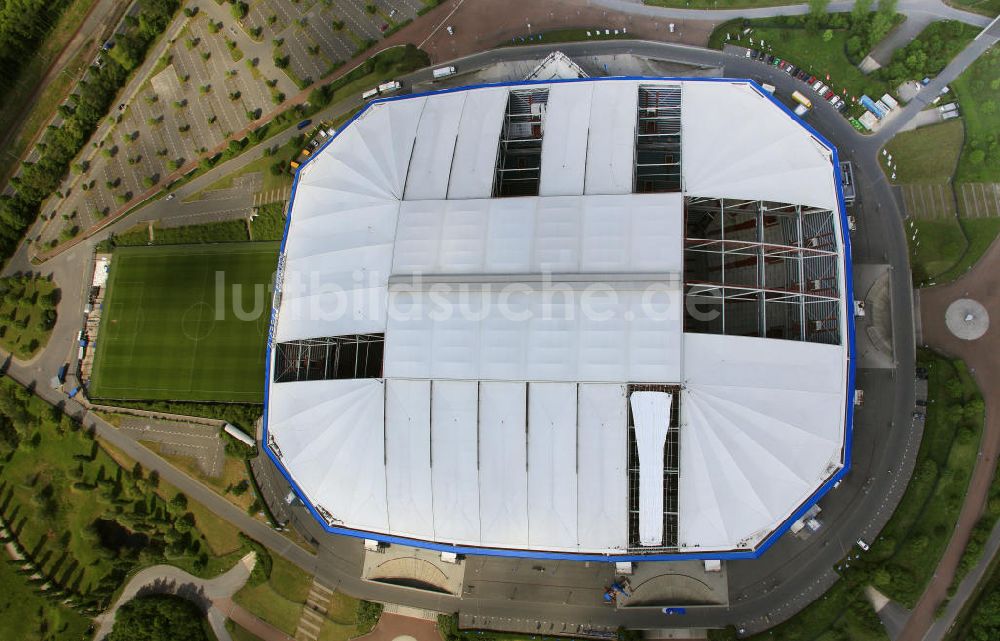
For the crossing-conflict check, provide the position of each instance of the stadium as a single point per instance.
(600, 319)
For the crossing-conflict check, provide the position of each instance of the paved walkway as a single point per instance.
(982, 284)
(393, 626)
(167, 579)
(313, 613)
(246, 620)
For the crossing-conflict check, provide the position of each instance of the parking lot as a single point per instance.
(212, 81)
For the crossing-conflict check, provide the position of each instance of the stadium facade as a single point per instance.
(599, 319)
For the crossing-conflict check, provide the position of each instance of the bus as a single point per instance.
(802, 100)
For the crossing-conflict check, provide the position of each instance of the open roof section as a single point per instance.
(462, 237)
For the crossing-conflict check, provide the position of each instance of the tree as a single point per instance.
(240, 10)
(161, 617)
(827, 35)
(817, 8)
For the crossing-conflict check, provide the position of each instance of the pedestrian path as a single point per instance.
(314, 612)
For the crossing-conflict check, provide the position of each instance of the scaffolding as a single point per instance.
(760, 268)
(519, 157)
(658, 139)
(671, 474)
(334, 357)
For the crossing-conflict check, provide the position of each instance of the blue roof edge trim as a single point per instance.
(579, 556)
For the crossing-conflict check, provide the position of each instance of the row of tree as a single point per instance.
(23, 24)
(80, 117)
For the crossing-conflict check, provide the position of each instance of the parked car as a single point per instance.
(817, 85)
(864, 546)
(754, 54)
(802, 75)
(790, 70)
(776, 62)
(811, 81)
(769, 59)
(841, 106)
(828, 94)
(782, 64)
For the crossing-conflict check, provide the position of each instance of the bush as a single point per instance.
(160, 617)
(239, 10)
(368, 613)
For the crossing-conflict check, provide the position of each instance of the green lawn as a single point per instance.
(238, 633)
(280, 599)
(269, 223)
(168, 332)
(27, 314)
(85, 515)
(948, 248)
(907, 551)
(928, 154)
(985, 7)
(809, 51)
(978, 93)
(27, 616)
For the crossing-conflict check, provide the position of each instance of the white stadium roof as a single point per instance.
(439, 372)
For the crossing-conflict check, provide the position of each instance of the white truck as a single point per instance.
(389, 87)
(443, 72)
(371, 93)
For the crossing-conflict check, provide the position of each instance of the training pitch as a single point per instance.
(171, 329)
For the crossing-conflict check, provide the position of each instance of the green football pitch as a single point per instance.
(185, 323)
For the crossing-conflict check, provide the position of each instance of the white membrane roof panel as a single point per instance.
(475, 157)
(772, 159)
(762, 426)
(503, 463)
(552, 479)
(651, 416)
(485, 331)
(408, 458)
(611, 141)
(455, 460)
(430, 167)
(635, 233)
(602, 499)
(564, 142)
(330, 434)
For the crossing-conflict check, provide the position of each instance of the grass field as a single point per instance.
(808, 50)
(27, 616)
(978, 93)
(280, 599)
(985, 7)
(928, 154)
(167, 333)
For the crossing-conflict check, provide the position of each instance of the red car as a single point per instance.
(830, 93)
(811, 81)
(782, 65)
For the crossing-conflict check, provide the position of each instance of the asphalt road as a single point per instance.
(936, 9)
(790, 574)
